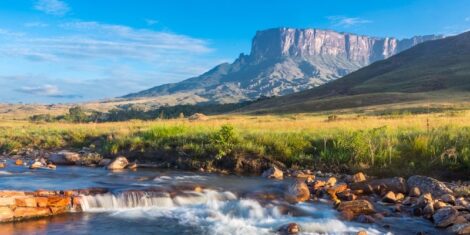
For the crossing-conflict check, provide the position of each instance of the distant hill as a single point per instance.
(282, 61)
(433, 70)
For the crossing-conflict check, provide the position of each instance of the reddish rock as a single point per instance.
(25, 202)
(30, 212)
(41, 201)
(318, 184)
(331, 181)
(58, 210)
(2, 165)
(44, 193)
(58, 201)
(298, 192)
(357, 207)
(400, 197)
(18, 162)
(346, 196)
(6, 214)
(347, 215)
(11, 193)
(291, 228)
(7, 201)
(389, 197)
(118, 163)
(358, 177)
(362, 232)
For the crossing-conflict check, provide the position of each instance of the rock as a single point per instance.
(118, 164)
(30, 212)
(396, 184)
(273, 173)
(410, 201)
(7, 201)
(358, 177)
(438, 205)
(424, 199)
(460, 229)
(331, 181)
(51, 166)
(389, 197)
(26, 202)
(19, 162)
(448, 198)
(461, 202)
(362, 232)
(414, 192)
(6, 214)
(428, 185)
(428, 210)
(44, 193)
(11, 193)
(132, 166)
(445, 217)
(65, 158)
(317, 184)
(2, 165)
(104, 162)
(41, 201)
(417, 211)
(399, 196)
(357, 207)
(36, 165)
(346, 196)
(347, 215)
(58, 201)
(291, 228)
(365, 219)
(58, 210)
(298, 192)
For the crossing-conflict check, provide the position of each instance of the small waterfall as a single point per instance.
(142, 199)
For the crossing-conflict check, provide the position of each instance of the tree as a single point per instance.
(77, 114)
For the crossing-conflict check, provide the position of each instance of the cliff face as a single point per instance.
(283, 61)
(310, 43)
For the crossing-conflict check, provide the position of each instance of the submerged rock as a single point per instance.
(273, 173)
(428, 185)
(118, 164)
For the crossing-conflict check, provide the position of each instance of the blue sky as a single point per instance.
(55, 51)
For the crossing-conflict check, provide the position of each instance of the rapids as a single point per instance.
(153, 201)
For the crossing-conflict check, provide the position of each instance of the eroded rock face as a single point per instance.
(273, 173)
(428, 185)
(118, 164)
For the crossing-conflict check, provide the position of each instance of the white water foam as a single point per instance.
(219, 213)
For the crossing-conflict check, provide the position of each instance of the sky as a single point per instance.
(62, 51)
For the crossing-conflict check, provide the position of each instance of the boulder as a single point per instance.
(358, 177)
(425, 199)
(104, 162)
(414, 192)
(438, 205)
(331, 181)
(298, 192)
(448, 198)
(396, 184)
(389, 197)
(357, 207)
(65, 158)
(36, 165)
(428, 185)
(460, 229)
(132, 166)
(273, 173)
(428, 210)
(445, 217)
(291, 228)
(118, 164)
(19, 162)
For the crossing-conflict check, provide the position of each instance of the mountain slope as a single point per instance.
(429, 70)
(283, 61)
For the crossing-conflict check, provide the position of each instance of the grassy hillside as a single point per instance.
(435, 71)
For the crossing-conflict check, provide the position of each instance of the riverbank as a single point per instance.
(386, 145)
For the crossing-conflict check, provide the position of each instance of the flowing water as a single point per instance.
(153, 201)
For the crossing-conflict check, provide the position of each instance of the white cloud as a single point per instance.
(45, 90)
(344, 21)
(36, 24)
(151, 22)
(52, 7)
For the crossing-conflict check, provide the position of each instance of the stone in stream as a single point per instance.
(273, 173)
(428, 210)
(104, 162)
(36, 165)
(291, 228)
(65, 158)
(331, 181)
(362, 232)
(460, 229)
(358, 177)
(118, 164)
(19, 162)
(389, 197)
(424, 199)
(132, 166)
(357, 207)
(2, 165)
(396, 184)
(445, 217)
(297, 192)
(428, 185)
(448, 198)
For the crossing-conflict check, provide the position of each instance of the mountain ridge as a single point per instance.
(283, 61)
